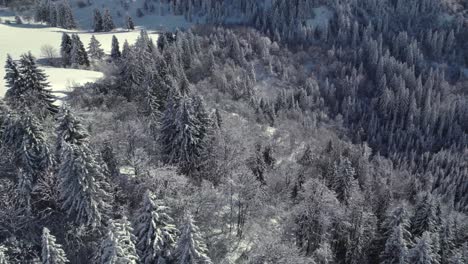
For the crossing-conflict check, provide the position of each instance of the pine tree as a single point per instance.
(343, 179)
(65, 16)
(83, 187)
(155, 231)
(94, 49)
(78, 55)
(3, 256)
(129, 23)
(190, 247)
(424, 218)
(118, 246)
(97, 22)
(13, 95)
(36, 94)
(181, 134)
(396, 249)
(110, 159)
(52, 253)
(115, 51)
(423, 252)
(69, 130)
(65, 49)
(107, 21)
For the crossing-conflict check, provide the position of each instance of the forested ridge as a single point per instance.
(273, 132)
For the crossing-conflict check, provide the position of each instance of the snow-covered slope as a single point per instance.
(18, 39)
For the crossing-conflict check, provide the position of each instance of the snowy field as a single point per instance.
(18, 39)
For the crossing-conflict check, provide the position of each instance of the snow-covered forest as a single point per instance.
(238, 131)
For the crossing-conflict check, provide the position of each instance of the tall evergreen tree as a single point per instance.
(13, 95)
(155, 231)
(424, 218)
(396, 250)
(65, 49)
(343, 179)
(34, 83)
(97, 22)
(107, 21)
(118, 245)
(191, 249)
(52, 252)
(115, 51)
(69, 130)
(78, 55)
(3, 257)
(129, 23)
(94, 49)
(423, 252)
(181, 137)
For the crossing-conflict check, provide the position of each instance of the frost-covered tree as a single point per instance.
(65, 49)
(97, 22)
(129, 23)
(181, 136)
(155, 231)
(107, 21)
(118, 247)
(52, 252)
(78, 55)
(3, 256)
(343, 179)
(65, 18)
(425, 218)
(396, 248)
(423, 252)
(94, 49)
(13, 83)
(191, 249)
(83, 187)
(115, 51)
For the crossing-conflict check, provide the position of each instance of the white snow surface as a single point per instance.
(18, 39)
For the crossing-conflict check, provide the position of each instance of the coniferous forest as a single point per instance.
(272, 132)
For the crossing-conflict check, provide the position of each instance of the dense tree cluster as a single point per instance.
(55, 14)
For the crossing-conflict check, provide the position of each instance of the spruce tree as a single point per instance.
(118, 246)
(424, 218)
(107, 21)
(52, 252)
(343, 179)
(115, 51)
(423, 252)
(36, 94)
(129, 23)
(65, 49)
(69, 130)
(396, 249)
(191, 249)
(97, 23)
(3, 256)
(83, 187)
(94, 49)
(78, 55)
(15, 91)
(155, 231)
(181, 136)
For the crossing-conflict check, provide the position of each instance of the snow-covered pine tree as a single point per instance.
(396, 250)
(107, 21)
(24, 137)
(181, 136)
(83, 187)
(65, 14)
(94, 49)
(69, 130)
(118, 246)
(115, 51)
(191, 249)
(65, 49)
(423, 252)
(97, 22)
(13, 95)
(155, 231)
(343, 179)
(3, 256)
(78, 55)
(129, 23)
(125, 50)
(424, 218)
(37, 96)
(52, 252)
